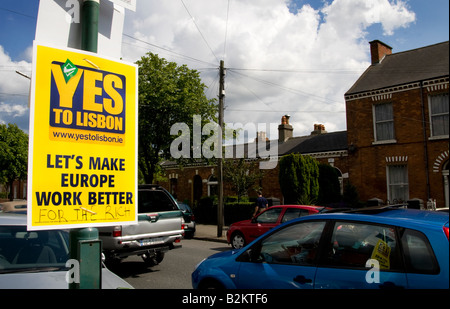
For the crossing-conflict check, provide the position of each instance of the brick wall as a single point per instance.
(368, 162)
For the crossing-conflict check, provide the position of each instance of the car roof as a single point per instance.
(393, 216)
(14, 206)
(11, 218)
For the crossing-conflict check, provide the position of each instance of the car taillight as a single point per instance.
(117, 232)
(446, 231)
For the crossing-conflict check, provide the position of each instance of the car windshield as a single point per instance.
(22, 250)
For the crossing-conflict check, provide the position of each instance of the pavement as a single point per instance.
(209, 232)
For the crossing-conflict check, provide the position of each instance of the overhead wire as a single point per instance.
(168, 50)
(198, 29)
(236, 71)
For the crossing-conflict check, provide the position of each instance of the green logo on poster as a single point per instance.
(69, 70)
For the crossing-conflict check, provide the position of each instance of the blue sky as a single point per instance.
(317, 42)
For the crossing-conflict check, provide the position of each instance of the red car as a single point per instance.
(241, 233)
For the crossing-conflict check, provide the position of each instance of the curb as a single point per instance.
(210, 239)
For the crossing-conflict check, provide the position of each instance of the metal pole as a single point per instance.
(89, 260)
(89, 25)
(220, 211)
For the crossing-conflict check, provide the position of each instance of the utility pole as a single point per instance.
(220, 212)
(85, 246)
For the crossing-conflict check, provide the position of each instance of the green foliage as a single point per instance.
(168, 94)
(351, 196)
(241, 176)
(206, 211)
(13, 154)
(329, 186)
(299, 179)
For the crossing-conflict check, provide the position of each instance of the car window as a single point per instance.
(154, 201)
(21, 249)
(354, 244)
(292, 213)
(269, 216)
(296, 244)
(419, 256)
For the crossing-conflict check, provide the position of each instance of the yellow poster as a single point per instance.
(381, 253)
(83, 140)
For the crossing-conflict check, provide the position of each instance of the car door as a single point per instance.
(264, 222)
(360, 255)
(285, 259)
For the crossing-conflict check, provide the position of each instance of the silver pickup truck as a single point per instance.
(159, 229)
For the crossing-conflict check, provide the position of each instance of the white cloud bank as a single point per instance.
(305, 60)
(14, 91)
(297, 61)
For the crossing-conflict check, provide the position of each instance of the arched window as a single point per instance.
(213, 188)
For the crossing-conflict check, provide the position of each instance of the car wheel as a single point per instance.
(237, 241)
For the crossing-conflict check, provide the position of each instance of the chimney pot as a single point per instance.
(318, 129)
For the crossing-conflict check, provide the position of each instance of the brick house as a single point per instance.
(398, 125)
(196, 180)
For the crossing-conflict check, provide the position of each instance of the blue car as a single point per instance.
(382, 248)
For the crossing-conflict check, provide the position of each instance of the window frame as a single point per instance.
(390, 185)
(432, 116)
(251, 255)
(407, 256)
(292, 211)
(328, 246)
(376, 122)
(264, 214)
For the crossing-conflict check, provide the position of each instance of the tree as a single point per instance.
(168, 94)
(329, 186)
(299, 179)
(241, 175)
(13, 155)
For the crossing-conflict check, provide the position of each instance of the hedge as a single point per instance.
(206, 211)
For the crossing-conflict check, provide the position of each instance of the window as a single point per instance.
(296, 244)
(419, 256)
(213, 187)
(292, 213)
(398, 187)
(269, 216)
(439, 114)
(353, 244)
(154, 200)
(384, 122)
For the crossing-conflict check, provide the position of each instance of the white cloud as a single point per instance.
(14, 91)
(320, 52)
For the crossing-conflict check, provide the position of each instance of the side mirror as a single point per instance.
(251, 255)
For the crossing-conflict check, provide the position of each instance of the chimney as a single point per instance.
(318, 129)
(285, 130)
(261, 136)
(378, 51)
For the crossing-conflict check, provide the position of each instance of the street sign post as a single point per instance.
(83, 133)
(83, 140)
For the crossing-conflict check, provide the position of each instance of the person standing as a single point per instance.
(261, 204)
